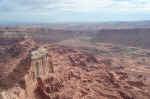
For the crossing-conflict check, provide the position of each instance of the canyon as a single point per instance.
(53, 71)
(86, 61)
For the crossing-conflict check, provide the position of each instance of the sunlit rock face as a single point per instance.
(40, 63)
(29, 63)
(40, 66)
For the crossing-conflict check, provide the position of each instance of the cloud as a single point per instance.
(74, 5)
(64, 10)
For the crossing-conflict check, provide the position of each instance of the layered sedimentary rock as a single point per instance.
(14, 68)
(59, 72)
(30, 63)
(41, 66)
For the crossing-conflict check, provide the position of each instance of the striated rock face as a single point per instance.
(41, 66)
(58, 72)
(30, 64)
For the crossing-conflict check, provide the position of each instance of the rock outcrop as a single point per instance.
(13, 70)
(30, 63)
(40, 66)
(59, 72)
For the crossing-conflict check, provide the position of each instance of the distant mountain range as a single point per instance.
(85, 26)
(98, 26)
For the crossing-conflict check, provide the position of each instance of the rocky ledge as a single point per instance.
(59, 72)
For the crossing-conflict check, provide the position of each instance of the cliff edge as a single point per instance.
(59, 72)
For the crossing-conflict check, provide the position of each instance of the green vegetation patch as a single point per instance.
(3, 89)
(132, 49)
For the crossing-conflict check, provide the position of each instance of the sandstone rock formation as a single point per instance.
(14, 69)
(40, 66)
(59, 72)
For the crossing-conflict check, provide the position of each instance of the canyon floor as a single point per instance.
(80, 71)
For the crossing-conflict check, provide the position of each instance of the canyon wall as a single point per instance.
(40, 65)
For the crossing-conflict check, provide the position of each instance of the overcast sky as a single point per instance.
(73, 10)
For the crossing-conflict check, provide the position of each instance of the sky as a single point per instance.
(61, 11)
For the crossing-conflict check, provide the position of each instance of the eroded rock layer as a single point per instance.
(59, 72)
